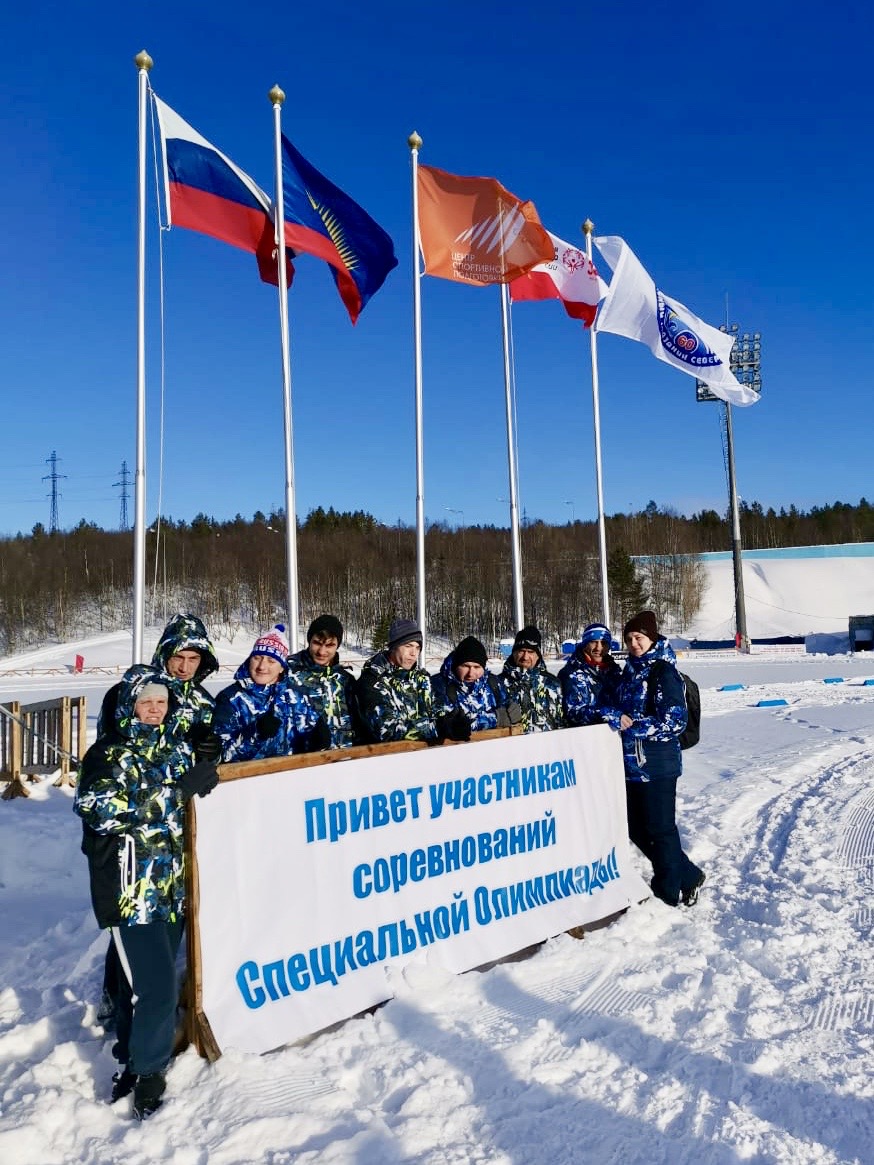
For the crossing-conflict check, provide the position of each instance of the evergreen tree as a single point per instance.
(627, 595)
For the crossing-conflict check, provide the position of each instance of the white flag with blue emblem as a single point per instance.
(634, 307)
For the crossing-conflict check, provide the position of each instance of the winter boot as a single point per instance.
(690, 896)
(148, 1092)
(122, 1084)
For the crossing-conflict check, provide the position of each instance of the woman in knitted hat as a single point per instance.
(465, 689)
(131, 793)
(649, 708)
(589, 676)
(260, 714)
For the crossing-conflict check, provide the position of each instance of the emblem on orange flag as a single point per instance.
(472, 230)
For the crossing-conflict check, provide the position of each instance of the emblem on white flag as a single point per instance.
(636, 308)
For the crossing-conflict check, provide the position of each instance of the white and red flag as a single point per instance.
(569, 276)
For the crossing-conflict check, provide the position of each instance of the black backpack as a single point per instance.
(691, 734)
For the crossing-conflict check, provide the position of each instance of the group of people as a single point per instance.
(160, 736)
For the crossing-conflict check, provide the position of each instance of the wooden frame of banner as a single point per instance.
(197, 1030)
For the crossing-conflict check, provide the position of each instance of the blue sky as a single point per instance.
(730, 150)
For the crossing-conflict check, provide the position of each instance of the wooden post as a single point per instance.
(12, 759)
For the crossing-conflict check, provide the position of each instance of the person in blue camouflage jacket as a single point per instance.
(330, 688)
(131, 793)
(186, 657)
(589, 676)
(528, 684)
(394, 692)
(648, 707)
(260, 714)
(464, 683)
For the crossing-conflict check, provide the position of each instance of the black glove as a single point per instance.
(319, 737)
(208, 747)
(201, 779)
(514, 713)
(267, 726)
(454, 726)
(502, 717)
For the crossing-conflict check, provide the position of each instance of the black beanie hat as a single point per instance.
(327, 625)
(528, 637)
(404, 631)
(645, 622)
(470, 650)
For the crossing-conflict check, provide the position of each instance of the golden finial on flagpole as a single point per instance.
(276, 95)
(143, 61)
(588, 226)
(414, 141)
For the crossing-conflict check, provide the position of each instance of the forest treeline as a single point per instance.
(69, 584)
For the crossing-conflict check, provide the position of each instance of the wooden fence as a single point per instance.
(38, 739)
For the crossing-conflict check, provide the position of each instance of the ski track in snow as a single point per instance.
(740, 1031)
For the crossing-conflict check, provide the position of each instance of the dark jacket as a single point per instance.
(132, 811)
(585, 685)
(330, 689)
(479, 701)
(396, 703)
(650, 747)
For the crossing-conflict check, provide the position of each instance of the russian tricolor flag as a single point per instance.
(204, 191)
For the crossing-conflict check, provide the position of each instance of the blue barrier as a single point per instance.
(833, 680)
(771, 703)
(733, 688)
(868, 684)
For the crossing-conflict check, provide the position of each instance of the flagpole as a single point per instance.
(415, 144)
(144, 64)
(515, 541)
(588, 228)
(277, 97)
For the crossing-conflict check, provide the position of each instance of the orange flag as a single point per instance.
(472, 230)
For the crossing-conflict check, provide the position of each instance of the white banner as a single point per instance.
(314, 882)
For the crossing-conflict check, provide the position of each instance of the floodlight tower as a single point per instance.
(745, 363)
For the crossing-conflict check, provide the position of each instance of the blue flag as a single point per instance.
(323, 221)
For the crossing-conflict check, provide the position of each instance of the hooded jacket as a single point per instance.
(396, 703)
(239, 707)
(537, 692)
(585, 685)
(133, 813)
(479, 700)
(191, 705)
(330, 688)
(650, 747)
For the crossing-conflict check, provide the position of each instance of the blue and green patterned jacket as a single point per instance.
(396, 703)
(191, 705)
(331, 691)
(133, 814)
(538, 694)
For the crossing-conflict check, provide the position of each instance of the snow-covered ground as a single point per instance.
(741, 1030)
